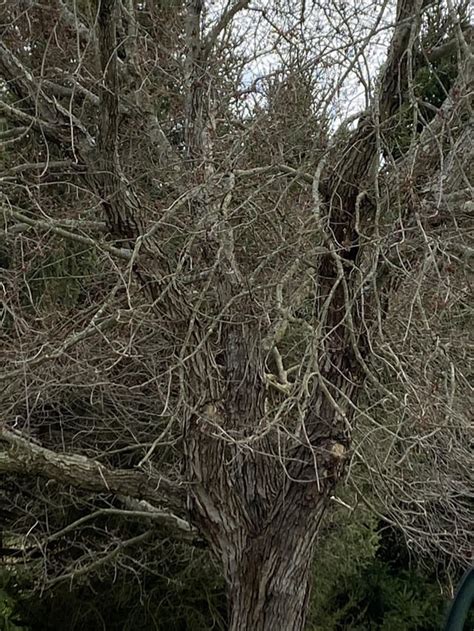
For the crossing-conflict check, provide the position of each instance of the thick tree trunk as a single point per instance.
(269, 576)
(270, 595)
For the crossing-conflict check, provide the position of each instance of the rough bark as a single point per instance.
(269, 588)
(267, 547)
(259, 517)
(27, 457)
(260, 523)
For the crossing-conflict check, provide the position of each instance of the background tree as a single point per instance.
(204, 331)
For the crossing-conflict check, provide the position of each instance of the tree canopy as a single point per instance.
(235, 274)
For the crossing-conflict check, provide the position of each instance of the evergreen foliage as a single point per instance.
(364, 580)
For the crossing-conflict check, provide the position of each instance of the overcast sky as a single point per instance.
(338, 42)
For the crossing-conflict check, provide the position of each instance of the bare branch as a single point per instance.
(72, 19)
(26, 457)
(226, 18)
(45, 225)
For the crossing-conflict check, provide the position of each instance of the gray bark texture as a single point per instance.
(259, 518)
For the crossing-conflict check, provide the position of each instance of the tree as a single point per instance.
(220, 336)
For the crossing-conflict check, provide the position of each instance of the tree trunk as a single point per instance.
(270, 596)
(269, 575)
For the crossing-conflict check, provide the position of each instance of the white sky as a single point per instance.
(325, 36)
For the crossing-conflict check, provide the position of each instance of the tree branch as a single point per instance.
(224, 21)
(25, 457)
(71, 19)
(49, 226)
(449, 47)
(17, 115)
(100, 560)
(23, 82)
(164, 518)
(394, 75)
(327, 425)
